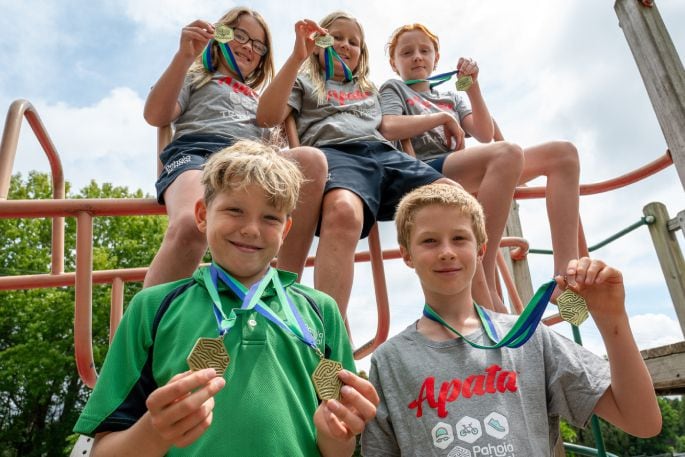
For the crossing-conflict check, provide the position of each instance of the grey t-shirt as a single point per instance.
(348, 115)
(223, 106)
(397, 98)
(449, 399)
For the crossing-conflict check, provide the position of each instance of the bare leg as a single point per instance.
(295, 249)
(183, 245)
(558, 161)
(491, 171)
(341, 226)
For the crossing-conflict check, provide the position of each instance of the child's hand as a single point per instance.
(599, 284)
(181, 411)
(194, 38)
(468, 67)
(454, 134)
(304, 38)
(344, 419)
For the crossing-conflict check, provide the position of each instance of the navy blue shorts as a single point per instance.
(379, 174)
(437, 164)
(189, 152)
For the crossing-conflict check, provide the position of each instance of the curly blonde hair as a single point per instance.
(250, 162)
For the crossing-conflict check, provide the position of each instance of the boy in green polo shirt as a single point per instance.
(260, 345)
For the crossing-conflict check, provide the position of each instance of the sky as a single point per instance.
(549, 69)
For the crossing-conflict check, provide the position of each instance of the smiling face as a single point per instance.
(348, 44)
(414, 55)
(245, 56)
(443, 250)
(244, 231)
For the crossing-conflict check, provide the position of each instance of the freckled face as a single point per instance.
(415, 56)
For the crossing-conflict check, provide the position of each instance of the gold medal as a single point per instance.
(464, 82)
(572, 307)
(326, 381)
(209, 353)
(223, 33)
(324, 41)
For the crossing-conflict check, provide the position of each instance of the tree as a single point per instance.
(671, 439)
(41, 394)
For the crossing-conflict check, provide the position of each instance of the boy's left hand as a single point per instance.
(468, 67)
(344, 419)
(599, 284)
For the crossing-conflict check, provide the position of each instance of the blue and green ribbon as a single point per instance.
(330, 56)
(522, 330)
(434, 80)
(228, 56)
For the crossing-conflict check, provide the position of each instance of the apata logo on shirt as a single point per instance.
(418, 101)
(495, 380)
(237, 86)
(341, 96)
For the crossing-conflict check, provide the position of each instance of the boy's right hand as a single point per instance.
(181, 410)
(304, 38)
(194, 38)
(454, 134)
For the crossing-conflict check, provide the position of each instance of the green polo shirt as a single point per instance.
(268, 403)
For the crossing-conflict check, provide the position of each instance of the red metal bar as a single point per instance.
(69, 279)
(605, 186)
(509, 283)
(116, 309)
(381, 289)
(96, 206)
(8, 149)
(83, 316)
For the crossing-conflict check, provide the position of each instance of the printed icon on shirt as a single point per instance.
(459, 451)
(469, 429)
(442, 435)
(496, 425)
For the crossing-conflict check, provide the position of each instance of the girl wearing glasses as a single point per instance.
(209, 94)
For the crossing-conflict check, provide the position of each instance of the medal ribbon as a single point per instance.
(228, 56)
(434, 80)
(249, 297)
(293, 322)
(330, 55)
(522, 330)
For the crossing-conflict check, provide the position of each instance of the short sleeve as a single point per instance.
(378, 438)
(576, 378)
(184, 95)
(461, 107)
(391, 99)
(296, 95)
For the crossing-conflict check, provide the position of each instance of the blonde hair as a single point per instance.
(250, 162)
(312, 66)
(264, 72)
(438, 194)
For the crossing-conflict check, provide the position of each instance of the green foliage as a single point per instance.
(670, 440)
(41, 394)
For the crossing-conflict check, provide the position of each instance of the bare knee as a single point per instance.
(565, 156)
(182, 233)
(342, 217)
(508, 157)
(311, 161)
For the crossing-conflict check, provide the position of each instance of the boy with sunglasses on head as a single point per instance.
(443, 393)
(261, 347)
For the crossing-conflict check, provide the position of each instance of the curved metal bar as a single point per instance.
(8, 150)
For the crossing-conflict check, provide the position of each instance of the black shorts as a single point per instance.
(379, 174)
(437, 164)
(189, 152)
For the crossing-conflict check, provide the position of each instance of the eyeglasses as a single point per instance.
(242, 37)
